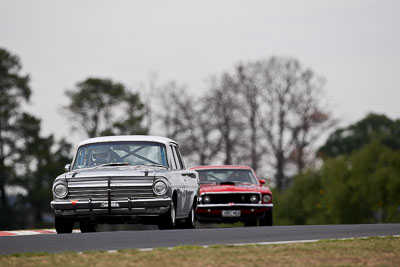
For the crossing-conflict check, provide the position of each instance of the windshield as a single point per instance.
(218, 176)
(120, 153)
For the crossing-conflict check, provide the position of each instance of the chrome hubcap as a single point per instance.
(173, 214)
(192, 216)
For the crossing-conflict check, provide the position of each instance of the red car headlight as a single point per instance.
(206, 199)
(267, 198)
(254, 199)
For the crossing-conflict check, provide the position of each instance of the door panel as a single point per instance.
(192, 186)
(181, 190)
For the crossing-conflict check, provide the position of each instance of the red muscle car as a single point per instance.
(231, 194)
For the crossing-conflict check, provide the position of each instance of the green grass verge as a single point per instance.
(378, 251)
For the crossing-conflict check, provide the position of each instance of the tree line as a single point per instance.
(268, 114)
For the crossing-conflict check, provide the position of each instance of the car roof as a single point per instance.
(221, 167)
(128, 138)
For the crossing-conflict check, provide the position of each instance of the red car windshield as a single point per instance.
(227, 176)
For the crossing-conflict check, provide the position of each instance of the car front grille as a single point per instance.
(236, 198)
(119, 189)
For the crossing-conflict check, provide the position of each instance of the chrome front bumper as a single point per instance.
(141, 207)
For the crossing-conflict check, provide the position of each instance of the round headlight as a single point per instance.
(266, 198)
(160, 188)
(60, 190)
(206, 199)
(253, 198)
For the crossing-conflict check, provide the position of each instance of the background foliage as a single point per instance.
(359, 181)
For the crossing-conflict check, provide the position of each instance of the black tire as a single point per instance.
(88, 227)
(250, 223)
(190, 220)
(168, 220)
(266, 220)
(63, 226)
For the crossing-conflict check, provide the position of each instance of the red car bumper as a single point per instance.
(231, 213)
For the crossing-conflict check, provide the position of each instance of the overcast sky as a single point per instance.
(355, 45)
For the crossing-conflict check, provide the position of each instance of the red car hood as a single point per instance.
(234, 188)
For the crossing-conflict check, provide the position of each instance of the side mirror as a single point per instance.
(262, 181)
(67, 167)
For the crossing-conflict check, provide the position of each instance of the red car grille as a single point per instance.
(236, 198)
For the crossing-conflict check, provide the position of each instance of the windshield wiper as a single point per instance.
(248, 183)
(151, 165)
(113, 164)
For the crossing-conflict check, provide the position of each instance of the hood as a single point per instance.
(234, 188)
(113, 171)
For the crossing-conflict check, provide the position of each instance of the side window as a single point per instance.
(180, 158)
(177, 159)
(173, 158)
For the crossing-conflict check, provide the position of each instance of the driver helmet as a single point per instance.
(101, 155)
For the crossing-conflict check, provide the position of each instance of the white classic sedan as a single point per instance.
(125, 179)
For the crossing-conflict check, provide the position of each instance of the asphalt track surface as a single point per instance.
(199, 237)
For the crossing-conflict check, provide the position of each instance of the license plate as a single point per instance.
(114, 204)
(231, 213)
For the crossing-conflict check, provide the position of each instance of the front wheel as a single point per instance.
(63, 226)
(168, 220)
(266, 220)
